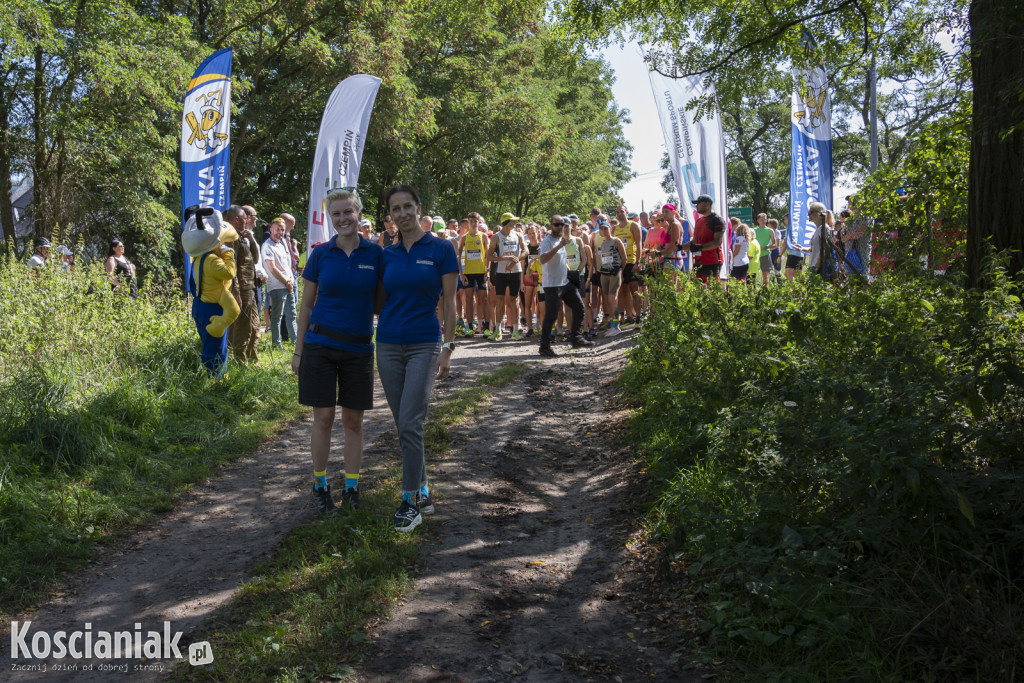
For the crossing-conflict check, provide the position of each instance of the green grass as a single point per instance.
(836, 474)
(106, 417)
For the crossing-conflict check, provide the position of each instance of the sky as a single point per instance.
(632, 90)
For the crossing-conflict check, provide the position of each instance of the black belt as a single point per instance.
(338, 336)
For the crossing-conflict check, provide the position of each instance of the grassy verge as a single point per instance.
(303, 616)
(106, 417)
(835, 476)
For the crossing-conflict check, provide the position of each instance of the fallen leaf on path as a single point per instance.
(486, 622)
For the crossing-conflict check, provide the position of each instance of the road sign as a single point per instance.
(744, 213)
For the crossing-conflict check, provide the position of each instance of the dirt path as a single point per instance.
(524, 559)
(524, 571)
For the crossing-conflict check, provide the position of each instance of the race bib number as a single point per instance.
(607, 261)
(474, 255)
(573, 261)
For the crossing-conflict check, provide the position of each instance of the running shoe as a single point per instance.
(497, 336)
(468, 333)
(529, 332)
(425, 504)
(486, 334)
(323, 502)
(613, 332)
(548, 352)
(605, 324)
(407, 517)
(350, 498)
(516, 335)
(581, 343)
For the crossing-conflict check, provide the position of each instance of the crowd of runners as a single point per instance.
(428, 281)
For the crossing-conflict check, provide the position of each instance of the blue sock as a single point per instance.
(351, 481)
(320, 479)
(409, 496)
(424, 491)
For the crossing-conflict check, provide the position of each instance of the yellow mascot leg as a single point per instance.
(219, 323)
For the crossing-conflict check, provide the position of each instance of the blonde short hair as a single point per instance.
(339, 194)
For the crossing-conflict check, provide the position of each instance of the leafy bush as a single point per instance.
(105, 415)
(839, 473)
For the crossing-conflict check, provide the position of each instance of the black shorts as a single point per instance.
(628, 275)
(709, 270)
(740, 272)
(476, 281)
(507, 282)
(330, 376)
(595, 280)
(794, 262)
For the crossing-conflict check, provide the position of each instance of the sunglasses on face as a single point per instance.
(559, 225)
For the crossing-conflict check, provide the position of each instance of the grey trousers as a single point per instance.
(407, 375)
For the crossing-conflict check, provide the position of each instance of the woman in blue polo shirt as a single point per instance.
(419, 270)
(334, 357)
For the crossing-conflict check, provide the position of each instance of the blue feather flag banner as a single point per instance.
(205, 138)
(810, 175)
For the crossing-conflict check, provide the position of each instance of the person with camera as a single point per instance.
(555, 275)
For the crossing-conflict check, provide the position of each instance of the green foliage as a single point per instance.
(480, 107)
(934, 178)
(838, 472)
(105, 415)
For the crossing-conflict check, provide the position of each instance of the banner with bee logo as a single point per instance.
(810, 175)
(205, 140)
(339, 148)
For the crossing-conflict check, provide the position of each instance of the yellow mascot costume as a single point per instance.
(214, 308)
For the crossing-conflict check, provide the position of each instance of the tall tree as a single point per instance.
(733, 42)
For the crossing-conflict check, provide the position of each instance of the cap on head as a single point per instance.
(632, 215)
(363, 223)
(203, 225)
(703, 198)
(668, 207)
(41, 242)
(64, 251)
(574, 217)
(438, 226)
(506, 217)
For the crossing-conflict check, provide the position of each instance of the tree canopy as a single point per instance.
(483, 108)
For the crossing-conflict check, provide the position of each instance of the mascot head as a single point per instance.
(205, 228)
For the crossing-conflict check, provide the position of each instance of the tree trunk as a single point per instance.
(40, 218)
(6, 199)
(995, 204)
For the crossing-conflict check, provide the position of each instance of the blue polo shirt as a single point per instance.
(345, 287)
(412, 280)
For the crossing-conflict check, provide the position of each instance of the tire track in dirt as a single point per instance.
(525, 562)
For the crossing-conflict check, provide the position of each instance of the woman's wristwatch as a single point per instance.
(448, 345)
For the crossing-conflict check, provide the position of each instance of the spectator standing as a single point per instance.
(244, 332)
(277, 261)
(40, 252)
(121, 270)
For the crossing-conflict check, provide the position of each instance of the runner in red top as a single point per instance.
(706, 244)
